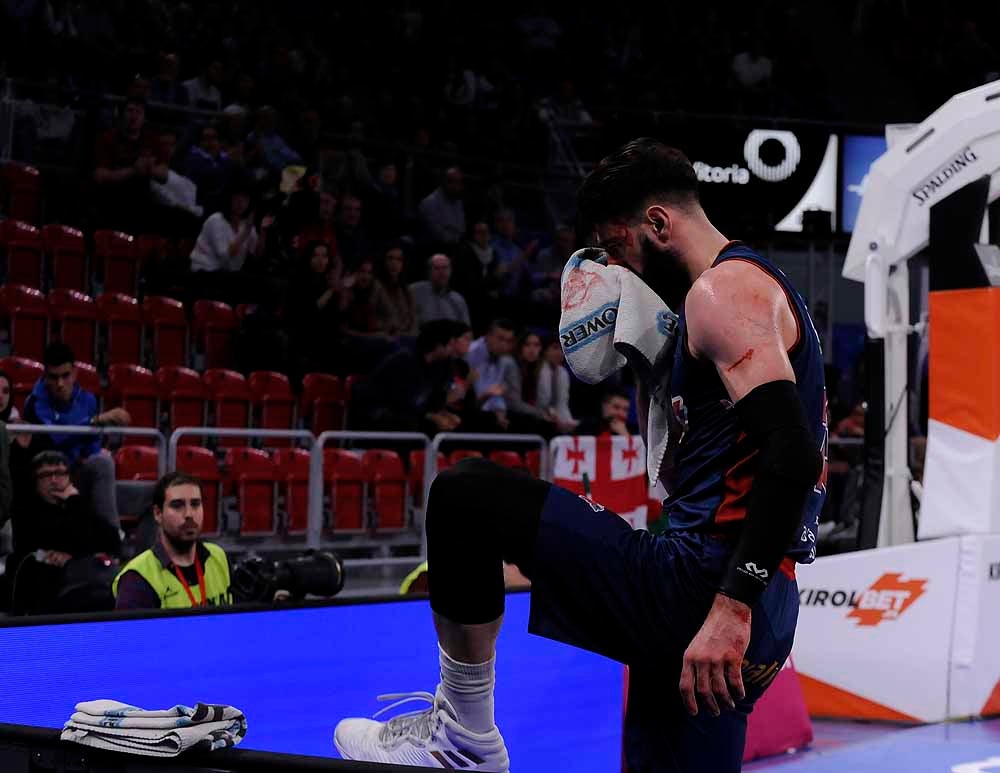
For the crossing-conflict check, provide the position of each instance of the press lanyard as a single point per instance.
(201, 583)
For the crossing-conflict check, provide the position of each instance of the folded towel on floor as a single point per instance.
(610, 318)
(116, 726)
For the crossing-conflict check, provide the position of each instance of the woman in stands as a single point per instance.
(315, 308)
(8, 412)
(395, 309)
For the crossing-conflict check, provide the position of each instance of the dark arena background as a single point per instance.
(287, 248)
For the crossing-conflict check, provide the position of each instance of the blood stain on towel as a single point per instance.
(578, 288)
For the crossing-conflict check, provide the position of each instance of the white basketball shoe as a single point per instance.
(430, 738)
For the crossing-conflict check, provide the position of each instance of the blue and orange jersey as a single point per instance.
(714, 463)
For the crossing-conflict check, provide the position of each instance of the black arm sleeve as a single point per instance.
(790, 463)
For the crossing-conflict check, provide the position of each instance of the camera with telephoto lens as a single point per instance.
(315, 573)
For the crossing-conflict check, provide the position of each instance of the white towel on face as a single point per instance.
(116, 726)
(611, 318)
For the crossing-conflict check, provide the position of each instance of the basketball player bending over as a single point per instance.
(704, 614)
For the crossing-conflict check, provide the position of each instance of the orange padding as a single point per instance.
(992, 706)
(826, 700)
(965, 360)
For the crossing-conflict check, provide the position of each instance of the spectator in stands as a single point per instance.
(203, 90)
(6, 499)
(434, 297)
(315, 309)
(546, 270)
(359, 308)
(752, 71)
(564, 110)
(180, 213)
(442, 213)
(477, 275)
(395, 309)
(180, 571)
(385, 206)
(165, 87)
(553, 388)
(266, 149)
(353, 243)
(58, 400)
(366, 342)
(513, 258)
(408, 390)
(8, 411)
(62, 547)
(322, 228)
(613, 419)
(227, 237)
(489, 357)
(127, 159)
(243, 99)
(521, 393)
(210, 169)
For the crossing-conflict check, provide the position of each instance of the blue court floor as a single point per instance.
(955, 747)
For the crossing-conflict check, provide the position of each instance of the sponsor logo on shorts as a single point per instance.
(760, 674)
(886, 599)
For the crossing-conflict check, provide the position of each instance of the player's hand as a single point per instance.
(712, 668)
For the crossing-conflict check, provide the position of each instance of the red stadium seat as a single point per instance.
(350, 382)
(74, 322)
(272, 396)
(134, 388)
(182, 391)
(293, 475)
(89, 379)
(151, 249)
(510, 459)
(166, 319)
(463, 453)
(119, 255)
(121, 316)
(21, 245)
(416, 476)
(215, 325)
(200, 462)
(533, 462)
(27, 314)
(383, 471)
(342, 471)
(24, 374)
(22, 191)
(137, 463)
(253, 476)
(68, 255)
(230, 397)
(322, 404)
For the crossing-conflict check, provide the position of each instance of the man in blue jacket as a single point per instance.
(58, 400)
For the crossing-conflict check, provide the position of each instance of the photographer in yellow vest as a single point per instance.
(179, 571)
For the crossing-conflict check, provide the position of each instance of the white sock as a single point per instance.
(469, 688)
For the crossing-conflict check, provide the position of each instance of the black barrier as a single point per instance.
(24, 749)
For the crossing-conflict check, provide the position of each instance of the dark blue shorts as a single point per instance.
(640, 599)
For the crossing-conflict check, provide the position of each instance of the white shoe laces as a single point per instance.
(413, 725)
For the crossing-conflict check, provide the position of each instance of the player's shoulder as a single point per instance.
(732, 287)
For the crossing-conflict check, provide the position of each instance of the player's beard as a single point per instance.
(665, 274)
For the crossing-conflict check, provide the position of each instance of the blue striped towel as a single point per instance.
(116, 726)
